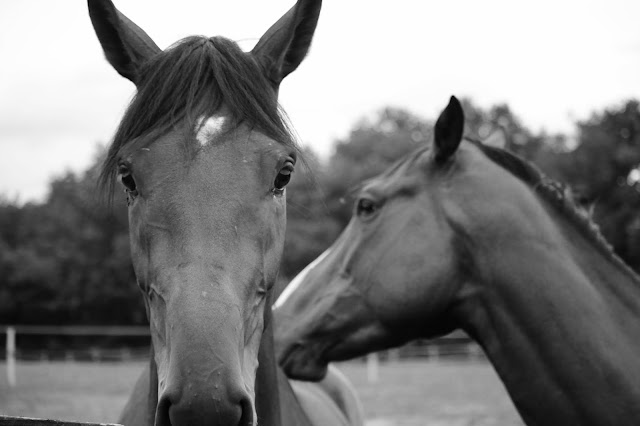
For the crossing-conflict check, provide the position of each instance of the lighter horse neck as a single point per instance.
(560, 322)
(298, 280)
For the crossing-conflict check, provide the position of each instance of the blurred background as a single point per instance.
(559, 79)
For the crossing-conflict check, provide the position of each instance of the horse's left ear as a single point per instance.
(448, 131)
(283, 47)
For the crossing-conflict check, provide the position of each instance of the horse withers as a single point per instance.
(463, 235)
(204, 156)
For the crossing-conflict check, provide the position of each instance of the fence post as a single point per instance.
(11, 356)
(433, 353)
(372, 367)
(475, 350)
(393, 355)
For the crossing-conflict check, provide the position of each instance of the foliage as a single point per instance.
(604, 172)
(66, 260)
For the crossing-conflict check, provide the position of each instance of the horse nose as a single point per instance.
(200, 409)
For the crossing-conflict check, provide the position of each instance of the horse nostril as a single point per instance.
(162, 412)
(247, 413)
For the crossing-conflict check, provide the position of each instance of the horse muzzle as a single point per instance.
(190, 406)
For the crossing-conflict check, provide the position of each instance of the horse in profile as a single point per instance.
(460, 235)
(204, 155)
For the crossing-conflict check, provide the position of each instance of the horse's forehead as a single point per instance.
(401, 178)
(208, 129)
(216, 152)
(218, 131)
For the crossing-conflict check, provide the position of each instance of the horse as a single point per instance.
(461, 235)
(204, 155)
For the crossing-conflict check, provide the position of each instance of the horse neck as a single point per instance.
(267, 392)
(152, 400)
(560, 321)
(276, 403)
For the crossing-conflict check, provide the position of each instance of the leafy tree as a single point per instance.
(603, 170)
(67, 260)
(371, 147)
(310, 227)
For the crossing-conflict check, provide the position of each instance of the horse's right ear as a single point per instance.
(125, 45)
(283, 47)
(448, 131)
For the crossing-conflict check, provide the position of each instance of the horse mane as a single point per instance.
(194, 77)
(556, 194)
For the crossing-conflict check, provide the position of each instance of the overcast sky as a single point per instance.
(552, 61)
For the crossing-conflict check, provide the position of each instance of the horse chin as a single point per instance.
(298, 364)
(308, 373)
(311, 372)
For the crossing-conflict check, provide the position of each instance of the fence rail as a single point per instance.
(78, 330)
(12, 331)
(455, 345)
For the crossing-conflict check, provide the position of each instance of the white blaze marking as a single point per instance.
(299, 279)
(211, 127)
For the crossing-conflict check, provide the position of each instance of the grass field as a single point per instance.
(407, 393)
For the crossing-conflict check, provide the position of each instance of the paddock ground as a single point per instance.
(408, 393)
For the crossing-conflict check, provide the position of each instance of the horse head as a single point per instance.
(393, 273)
(204, 157)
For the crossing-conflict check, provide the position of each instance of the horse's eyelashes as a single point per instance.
(123, 169)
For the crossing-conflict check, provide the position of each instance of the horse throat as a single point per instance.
(560, 323)
(276, 402)
(152, 401)
(267, 392)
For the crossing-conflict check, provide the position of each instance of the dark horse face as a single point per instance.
(204, 157)
(392, 274)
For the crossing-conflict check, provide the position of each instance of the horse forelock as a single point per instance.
(191, 80)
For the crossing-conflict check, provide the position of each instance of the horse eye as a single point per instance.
(366, 207)
(283, 178)
(127, 179)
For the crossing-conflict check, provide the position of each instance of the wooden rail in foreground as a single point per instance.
(28, 421)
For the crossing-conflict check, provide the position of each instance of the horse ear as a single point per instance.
(448, 131)
(125, 45)
(283, 47)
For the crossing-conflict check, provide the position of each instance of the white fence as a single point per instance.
(43, 330)
(456, 345)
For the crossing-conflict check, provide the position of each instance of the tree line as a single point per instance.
(65, 260)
